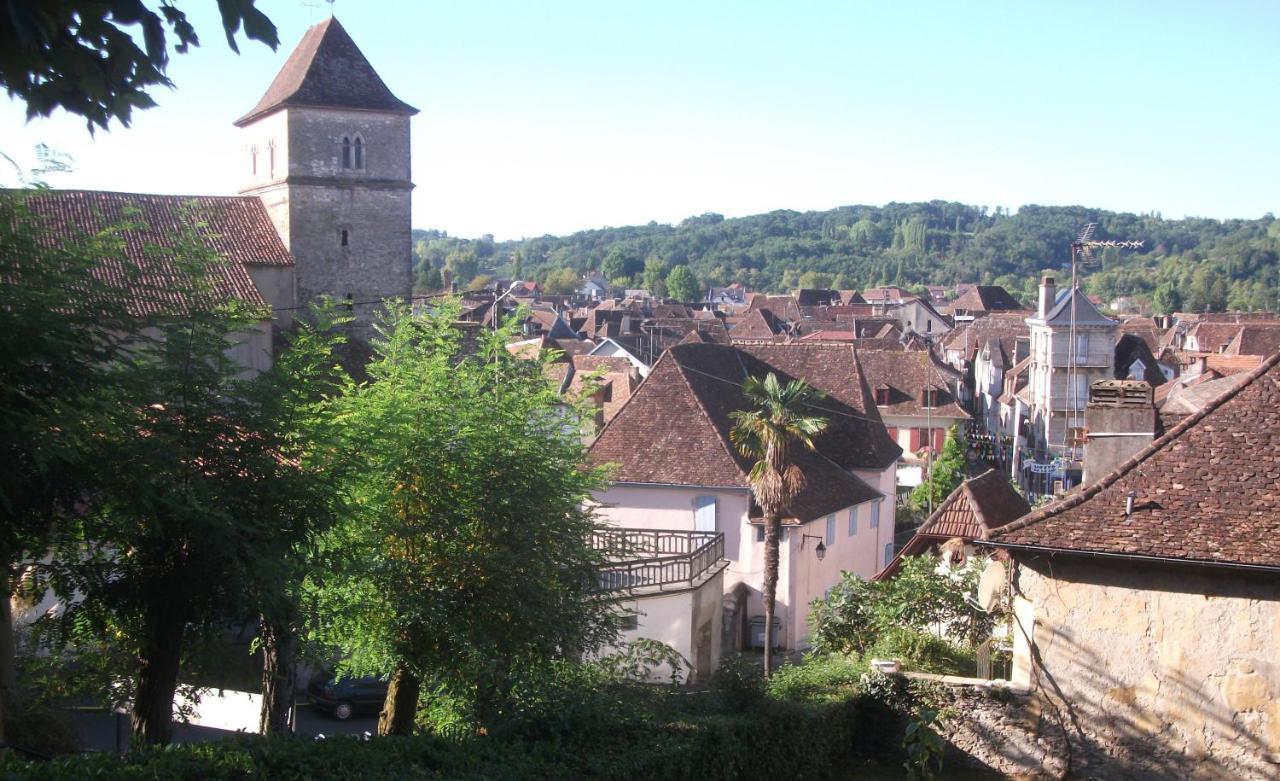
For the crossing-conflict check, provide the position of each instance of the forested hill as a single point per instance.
(1192, 264)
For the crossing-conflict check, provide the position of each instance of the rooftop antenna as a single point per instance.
(311, 6)
(1083, 250)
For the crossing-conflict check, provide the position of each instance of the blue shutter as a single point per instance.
(853, 521)
(831, 530)
(875, 514)
(704, 513)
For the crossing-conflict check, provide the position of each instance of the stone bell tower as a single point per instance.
(327, 151)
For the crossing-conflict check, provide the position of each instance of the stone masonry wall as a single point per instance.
(1162, 671)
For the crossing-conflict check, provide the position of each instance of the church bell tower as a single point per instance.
(326, 149)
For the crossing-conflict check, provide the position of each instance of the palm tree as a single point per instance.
(766, 434)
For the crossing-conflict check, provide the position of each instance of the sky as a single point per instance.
(550, 117)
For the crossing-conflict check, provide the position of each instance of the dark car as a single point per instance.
(343, 698)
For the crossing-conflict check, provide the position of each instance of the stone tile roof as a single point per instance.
(756, 324)
(986, 298)
(235, 227)
(1207, 491)
(674, 430)
(1255, 339)
(906, 374)
(977, 507)
(327, 70)
(817, 297)
(783, 307)
(1000, 328)
(1211, 337)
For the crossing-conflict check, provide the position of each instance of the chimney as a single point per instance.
(1048, 294)
(1119, 421)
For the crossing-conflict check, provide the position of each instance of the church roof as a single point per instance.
(236, 228)
(327, 70)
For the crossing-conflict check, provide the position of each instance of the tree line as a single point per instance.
(1189, 264)
(422, 521)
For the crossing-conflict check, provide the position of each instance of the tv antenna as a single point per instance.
(1083, 251)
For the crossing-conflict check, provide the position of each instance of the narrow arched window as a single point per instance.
(346, 152)
(271, 158)
(359, 153)
(253, 159)
(345, 238)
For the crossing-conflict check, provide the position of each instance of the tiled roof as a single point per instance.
(1255, 339)
(906, 374)
(327, 70)
(236, 228)
(1004, 329)
(973, 511)
(816, 297)
(1131, 347)
(986, 298)
(1212, 337)
(782, 307)
(1207, 491)
(675, 431)
(756, 324)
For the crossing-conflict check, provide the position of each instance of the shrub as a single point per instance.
(831, 676)
(923, 651)
(739, 683)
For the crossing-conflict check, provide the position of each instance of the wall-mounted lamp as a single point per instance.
(820, 550)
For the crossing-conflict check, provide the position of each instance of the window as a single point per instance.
(853, 521)
(928, 326)
(704, 513)
(831, 530)
(782, 533)
(882, 395)
(888, 553)
(271, 159)
(343, 237)
(875, 514)
(253, 159)
(346, 151)
(359, 145)
(929, 397)
(1082, 347)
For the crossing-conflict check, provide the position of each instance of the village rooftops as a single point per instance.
(675, 428)
(986, 298)
(236, 228)
(977, 507)
(327, 70)
(1255, 339)
(1207, 492)
(910, 382)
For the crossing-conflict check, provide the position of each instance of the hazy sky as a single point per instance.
(548, 117)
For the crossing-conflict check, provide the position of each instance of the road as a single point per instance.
(98, 728)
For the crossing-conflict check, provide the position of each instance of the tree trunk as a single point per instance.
(8, 660)
(400, 708)
(772, 528)
(279, 675)
(158, 662)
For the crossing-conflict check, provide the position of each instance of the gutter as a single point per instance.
(1232, 565)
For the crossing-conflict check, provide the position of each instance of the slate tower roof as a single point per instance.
(327, 70)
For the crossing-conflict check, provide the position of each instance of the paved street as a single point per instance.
(98, 728)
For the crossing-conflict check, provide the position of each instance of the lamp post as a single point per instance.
(820, 550)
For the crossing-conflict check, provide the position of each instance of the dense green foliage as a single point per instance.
(101, 58)
(819, 730)
(898, 617)
(1213, 263)
(946, 473)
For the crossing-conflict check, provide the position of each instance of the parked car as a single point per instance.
(343, 698)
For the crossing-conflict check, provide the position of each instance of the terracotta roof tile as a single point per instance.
(236, 228)
(1207, 491)
(1255, 339)
(906, 374)
(986, 298)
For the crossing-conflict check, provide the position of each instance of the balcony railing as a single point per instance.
(652, 558)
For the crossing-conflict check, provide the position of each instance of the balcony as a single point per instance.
(645, 560)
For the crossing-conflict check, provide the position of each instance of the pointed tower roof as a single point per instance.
(327, 70)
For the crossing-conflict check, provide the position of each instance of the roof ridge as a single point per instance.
(1141, 456)
(630, 398)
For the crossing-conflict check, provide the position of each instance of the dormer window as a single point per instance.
(929, 397)
(882, 396)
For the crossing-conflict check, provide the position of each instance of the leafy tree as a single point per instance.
(945, 474)
(655, 272)
(463, 264)
(430, 281)
(766, 434)
(61, 330)
(682, 285)
(1166, 300)
(164, 551)
(815, 280)
(561, 282)
(81, 55)
(466, 557)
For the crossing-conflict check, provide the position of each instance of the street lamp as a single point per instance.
(820, 550)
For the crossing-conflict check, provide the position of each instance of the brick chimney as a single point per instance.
(1119, 421)
(1048, 294)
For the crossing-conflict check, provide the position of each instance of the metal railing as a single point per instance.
(640, 558)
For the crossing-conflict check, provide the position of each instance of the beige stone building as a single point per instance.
(1147, 606)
